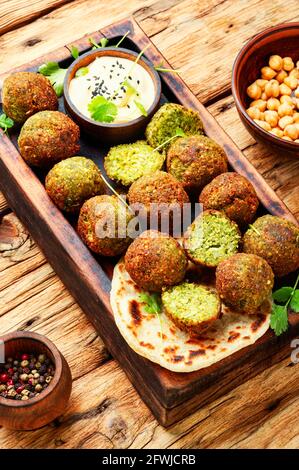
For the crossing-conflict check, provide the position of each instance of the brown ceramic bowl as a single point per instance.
(283, 40)
(51, 403)
(109, 132)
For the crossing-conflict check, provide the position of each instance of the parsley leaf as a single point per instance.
(289, 296)
(75, 52)
(140, 107)
(282, 295)
(102, 110)
(5, 123)
(82, 71)
(153, 302)
(279, 319)
(103, 43)
(55, 74)
(294, 304)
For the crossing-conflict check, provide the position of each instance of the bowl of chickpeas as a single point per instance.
(265, 86)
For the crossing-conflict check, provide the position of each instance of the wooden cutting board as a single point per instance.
(171, 396)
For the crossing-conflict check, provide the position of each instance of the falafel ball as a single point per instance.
(234, 195)
(167, 120)
(192, 307)
(155, 260)
(127, 162)
(195, 161)
(26, 93)
(72, 181)
(103, 225)
(211, 238)
(159, 187)
(244, 282)
(276, 240)
(48, 137)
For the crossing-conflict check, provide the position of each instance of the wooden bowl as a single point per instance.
(109, 132)
(51, 403)
(283, 40)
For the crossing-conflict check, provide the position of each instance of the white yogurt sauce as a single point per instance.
(104, 77)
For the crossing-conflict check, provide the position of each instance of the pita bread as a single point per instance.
(175, 349)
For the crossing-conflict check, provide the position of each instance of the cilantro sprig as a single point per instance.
(55, 74)
(178, 133)
(153, 303)
(289, 298)
(103, 43)
(5, 123)
(102, 110)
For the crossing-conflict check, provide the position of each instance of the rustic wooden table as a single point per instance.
(201, 38)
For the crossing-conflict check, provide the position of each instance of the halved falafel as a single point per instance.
(211, 238)
(127, 162)
(103, 225)
(167, 120)
(48, 137)
(72, 181)
(155, 260)
(244, 282)
(192, 307)
(26, 93)
(276, 240)
(195, 161)
(234, 195)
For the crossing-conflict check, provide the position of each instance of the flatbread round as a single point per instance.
(156, 337)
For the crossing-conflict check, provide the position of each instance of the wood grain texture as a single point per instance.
(15, 13)
(170, 396)
(275, 423)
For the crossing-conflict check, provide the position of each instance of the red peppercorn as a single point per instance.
(10, 371)
(3, 378)
(10, 382)
(24, 357)
(20, 389)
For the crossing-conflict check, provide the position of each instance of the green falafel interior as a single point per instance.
(211, 238)
(159, 338)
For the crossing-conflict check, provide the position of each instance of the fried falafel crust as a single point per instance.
(48, 137)
(26, 93)
(244, 282)
(155, 260)
(234, 195)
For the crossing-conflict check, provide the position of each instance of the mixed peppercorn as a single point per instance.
(26, 376)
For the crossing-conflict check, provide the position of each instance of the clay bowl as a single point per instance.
(51, 403)
(110, 132)
(283, 40)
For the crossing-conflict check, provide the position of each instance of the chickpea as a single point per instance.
(296, 124)
(254, 91)
(285, 121)
(288, 64)
(285, 110)
(276, 131)
(294, 73)
(291, 131)
(273, 104)
(263, 124)
(297, 64)
(297, 140)
(260, 104)
(284, 89)
(261, 83)
(275, 62)
(282, 74)
(254, 112)
(296, 117)
(296, 92)
(291, 82)
(287, 99)
(268, 73)
(286, 137)
(262, 116)
(272, 89)
(264, 96)
(296, 102)
(271, 117)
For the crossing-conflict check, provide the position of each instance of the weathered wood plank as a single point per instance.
(15, 13)
(102, 414)
(3, 204)
(33, 298)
